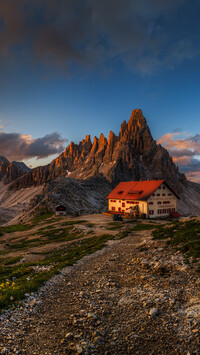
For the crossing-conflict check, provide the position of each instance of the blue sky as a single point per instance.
(71, 68)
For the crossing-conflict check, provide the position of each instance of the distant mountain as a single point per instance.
(10, 171)
(85, 173)
(132, 155)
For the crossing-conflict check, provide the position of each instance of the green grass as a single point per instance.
(43, 236)
(16, 281)
(70, 223)
(184, 236)
(15, 228)
(42, 216)
(125, 233)
(143, 226)
(114, 225)
(10, 261)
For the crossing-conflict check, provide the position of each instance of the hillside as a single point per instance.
(137, 295)
(10, 171)
(85, 173)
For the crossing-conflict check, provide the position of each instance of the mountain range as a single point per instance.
(92, 169)
(10, 171)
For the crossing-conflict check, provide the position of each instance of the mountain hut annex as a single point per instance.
(154, 198)
(61, 210)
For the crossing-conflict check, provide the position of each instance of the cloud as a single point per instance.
(16, 146)
(142, 34)
(185, 151)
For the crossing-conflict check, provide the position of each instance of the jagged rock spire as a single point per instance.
(132, 155)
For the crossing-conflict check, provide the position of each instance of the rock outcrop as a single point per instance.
(10, 171)
(133, 155)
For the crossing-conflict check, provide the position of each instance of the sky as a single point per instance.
(74, 67)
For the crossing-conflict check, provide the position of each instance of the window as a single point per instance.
(169, 210)
(159, 211)
(113, 208)
(122, 210)
(154, 195)
(158, 194)
(113, 200)
(150, 203)
(151, 212)
(123, 204)
(119, 209)
(173, 209)
(163, 194)
(159, 203)
(163, 187)
(119, 201)
(170, 194)
(166, 202)
(159, 187)
(164, 211)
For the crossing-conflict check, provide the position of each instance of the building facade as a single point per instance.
(61, 210)
(154, 198)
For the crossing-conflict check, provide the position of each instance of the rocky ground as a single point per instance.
(133, 297)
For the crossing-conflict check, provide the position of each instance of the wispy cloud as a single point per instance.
(16, 146)
(93, 33)
(185, 151)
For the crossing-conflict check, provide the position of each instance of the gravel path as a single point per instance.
(133, 297)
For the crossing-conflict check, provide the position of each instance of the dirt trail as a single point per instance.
(132, 297)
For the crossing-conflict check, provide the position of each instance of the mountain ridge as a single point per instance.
(132, 155)
(10, 171)
(85, 173)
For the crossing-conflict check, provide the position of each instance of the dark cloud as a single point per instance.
(192, 167)
(15, 146)
(185, 152)
(143, 34)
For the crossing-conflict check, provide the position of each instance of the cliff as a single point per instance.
(10, 171)
(132, 155)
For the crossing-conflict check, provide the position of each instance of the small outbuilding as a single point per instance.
(61, 210)
(153, 198)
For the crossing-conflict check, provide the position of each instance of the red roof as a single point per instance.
(136, 190)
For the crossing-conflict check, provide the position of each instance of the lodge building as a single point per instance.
(61, 210)
(154, 198)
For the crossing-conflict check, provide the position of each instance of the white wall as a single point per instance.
(169, 196)
(144, 206)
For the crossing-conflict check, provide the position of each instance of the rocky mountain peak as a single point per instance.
(10, 171)
(111, 137)
(102, 141)
(123, 131)
(3, 160)
(136, 120)
(134, 155)
(87, 138)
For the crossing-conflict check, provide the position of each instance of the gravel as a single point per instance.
(115, 301)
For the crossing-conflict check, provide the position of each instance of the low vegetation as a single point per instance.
(144, 226)
(27, 258)
(18, 277)
(184, 236)
(22, 278)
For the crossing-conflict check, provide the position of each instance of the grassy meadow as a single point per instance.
(31, 254)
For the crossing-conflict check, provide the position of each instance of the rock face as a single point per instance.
(79, 196)
(10, 171)
(133, 155)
